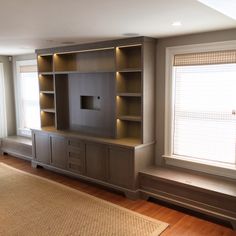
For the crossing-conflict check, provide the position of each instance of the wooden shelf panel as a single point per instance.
(130, 118)
(129, 70)
(49, 110)
(47, 92)
(129, 94)
(46, 73)
(82, 72)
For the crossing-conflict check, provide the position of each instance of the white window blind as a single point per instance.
(27, 101)
(3, 120)
(204, 124)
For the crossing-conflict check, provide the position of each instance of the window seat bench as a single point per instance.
(17, 146)
(201, 192)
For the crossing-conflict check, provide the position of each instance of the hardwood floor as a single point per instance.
(181, 223)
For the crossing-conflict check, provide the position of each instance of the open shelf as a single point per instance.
(45, 63)
(46, 83)
(128, 106)
(46, 101)
(129, 58)
(129, 129)
(47, 119)
(128, 83)
(85, 61)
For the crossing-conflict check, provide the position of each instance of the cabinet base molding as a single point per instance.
(189, 204)
(131, 194)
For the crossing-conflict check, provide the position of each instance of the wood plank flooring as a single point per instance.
(181, 223)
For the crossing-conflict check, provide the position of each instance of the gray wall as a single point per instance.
(10, 104)
(163, 43)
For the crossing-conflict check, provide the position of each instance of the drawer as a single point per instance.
(74, 150)
(76, 156)
(76, 143)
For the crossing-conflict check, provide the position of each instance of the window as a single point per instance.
(201, 109)
(27, 97)
(3, 120)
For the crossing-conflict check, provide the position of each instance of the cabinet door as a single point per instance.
(59, 152)
(96, 161)
(121, 167)
(42, 149)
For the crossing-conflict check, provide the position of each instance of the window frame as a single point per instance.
(24, 62)
(181, 161)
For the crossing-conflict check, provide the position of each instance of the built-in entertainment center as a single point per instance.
(97, 111)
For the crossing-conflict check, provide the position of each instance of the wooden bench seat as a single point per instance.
(194, 190)
(17, 146)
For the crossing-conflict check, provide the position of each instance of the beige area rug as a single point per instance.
(31, 205)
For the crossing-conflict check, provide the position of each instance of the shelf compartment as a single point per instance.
(85, 62)
(128, 82)
(46, 101)
(46, 82)
(129, 129)
(47, 119)
(45, 63)
(129, 58)
(130, 118)
(128, 106)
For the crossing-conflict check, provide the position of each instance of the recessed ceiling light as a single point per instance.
(131, 34)
(176, 23)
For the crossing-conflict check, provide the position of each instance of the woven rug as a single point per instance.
(31, 205)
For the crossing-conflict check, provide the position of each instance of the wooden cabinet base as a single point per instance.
(133, 195)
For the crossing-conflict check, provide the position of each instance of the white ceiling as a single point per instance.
(29, 24)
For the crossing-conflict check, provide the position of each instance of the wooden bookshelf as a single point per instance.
(118, 73)
(97, 111)
(47, 96)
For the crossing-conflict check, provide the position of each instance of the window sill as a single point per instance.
(224, 170)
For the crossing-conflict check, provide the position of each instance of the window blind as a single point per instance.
(204, 125)
(28, 69)
(3, 119)
(205, 58)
